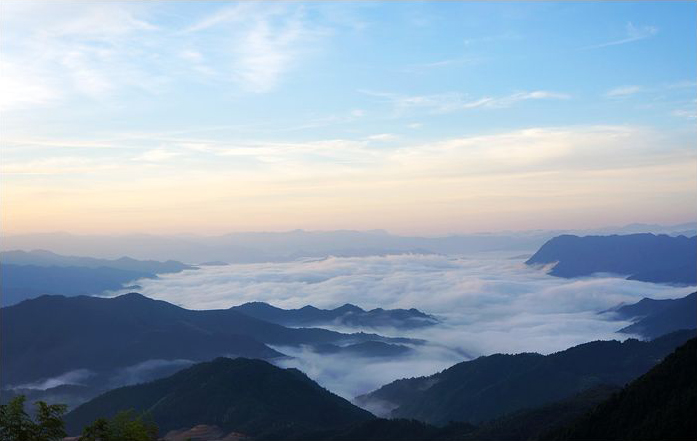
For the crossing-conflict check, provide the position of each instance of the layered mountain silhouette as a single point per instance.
(523, 425)
(289, 245)
(30, 274)
(48, 258)
(347, 315)
(51, 335)
(247, 396)
(658, 405)
(644, 257)
(229, 398)
(653, 318)
(491, 386)
(22, 282)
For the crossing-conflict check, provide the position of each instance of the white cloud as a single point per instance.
(633, 33)
(22, 87)
(461, 61)
(191, 55)
(453, 101)
(156, 155)
(58, 51)
(263, 41)
(78, 376)
(686, 113)
(623, 91)
(487, 303)
(383, 137)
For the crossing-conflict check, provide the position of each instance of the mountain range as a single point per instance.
(644, 257)
(252, 398)
(347, 315)
(48, 258)
(248, 247)
(491, 386)
(51, 335)
(653, 318)
(22, 282)
(29, 274)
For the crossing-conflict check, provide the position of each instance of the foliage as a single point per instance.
(659, 405)
(243, 395)
(16, 425)
(125, 426)
(490, 387)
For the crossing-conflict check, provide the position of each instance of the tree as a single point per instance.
(16, 425)
(125, 426)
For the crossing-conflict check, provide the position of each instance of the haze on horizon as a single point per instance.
(417, 118)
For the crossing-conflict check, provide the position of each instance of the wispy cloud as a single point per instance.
(633, 33)
(264, 41)
(383, 137)
(623, 91)
(157, 155)
(452, 102)
(57, 52)
(686, 113)
(506, 36)
(450, 62)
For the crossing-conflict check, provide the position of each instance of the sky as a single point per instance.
(414, 117)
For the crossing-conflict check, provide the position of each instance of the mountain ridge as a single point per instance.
(248, 396)
(51, 335)
(347, 315)
(644, 257)
(473, 391)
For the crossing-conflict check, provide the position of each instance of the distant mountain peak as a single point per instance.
(347, 315)
(645, 257)
(348, 307)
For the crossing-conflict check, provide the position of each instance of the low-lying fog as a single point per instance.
(487, 303)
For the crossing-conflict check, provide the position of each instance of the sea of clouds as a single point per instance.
(487, 303)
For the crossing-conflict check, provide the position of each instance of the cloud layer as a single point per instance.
(488, 303)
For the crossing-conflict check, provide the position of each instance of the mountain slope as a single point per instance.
(661, 404)
(51, 335)
(491, 386)
(346, 315)
(659, 317)
(644, 257)
(247, 396)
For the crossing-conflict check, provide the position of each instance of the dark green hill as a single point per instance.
(529, 424)
(660, 405)
(524, 425)
(492, 386)
(242, 395)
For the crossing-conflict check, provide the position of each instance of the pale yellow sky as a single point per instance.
(575, 177)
